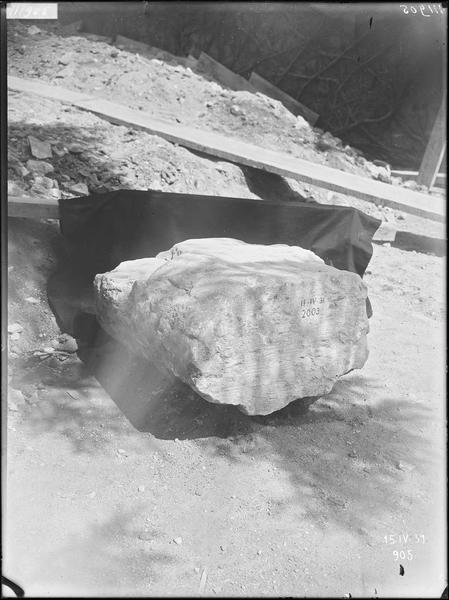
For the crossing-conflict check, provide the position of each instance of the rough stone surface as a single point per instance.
(244, 324)
(39, 167)
(39, 149)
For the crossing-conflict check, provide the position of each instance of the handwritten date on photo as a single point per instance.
(407, 553)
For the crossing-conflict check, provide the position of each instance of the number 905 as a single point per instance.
(403, 554)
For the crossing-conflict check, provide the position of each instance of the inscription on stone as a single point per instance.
(310, 307)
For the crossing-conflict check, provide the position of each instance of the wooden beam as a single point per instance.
(234, 150)
(72, 28)
(150, 52)
(224, 75)
(32, 207)
(435, 149)
(132, 45)
(440, 178)
(290, 103)
(191, 61)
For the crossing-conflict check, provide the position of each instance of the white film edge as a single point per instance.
(31, 10)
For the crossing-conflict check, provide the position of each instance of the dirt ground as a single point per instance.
(119, 485)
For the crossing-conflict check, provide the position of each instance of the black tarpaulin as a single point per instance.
(103, 230)
(123, 225)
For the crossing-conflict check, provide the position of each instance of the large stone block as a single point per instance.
(244, 324)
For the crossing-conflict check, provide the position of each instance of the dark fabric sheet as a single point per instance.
(102, 230)
(106, 229)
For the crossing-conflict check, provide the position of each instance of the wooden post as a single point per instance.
(435, 149)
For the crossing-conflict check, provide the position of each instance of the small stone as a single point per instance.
(75, 148)
(235, 110)
(33, 398)
(67, 343)
(178, 540)
(326, 142)
(54, 193)
(42, 182)
(410, 184)
(33, 30)
(15, 328)
(40, 167)
(121, 451)
(197, 569)
(66, 71)
(141, 488)
(20, 170)
(403, 466)
(14, 189)
(379, 173)
(65, 59)
(382, 163)
(15, 396)
(79, 188)
(400, 217)
(39, 149)
(32, 300)
(259, 552)
(60, 151)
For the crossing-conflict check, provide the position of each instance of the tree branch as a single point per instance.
(384, 117)
(299, 53)
(332, 62)
(359, 66)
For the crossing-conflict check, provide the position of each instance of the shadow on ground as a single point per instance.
(115, 556)
(162, 405)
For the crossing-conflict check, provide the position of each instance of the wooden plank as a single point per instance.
(290, 103)
(233, 150)
(440, 179)
(32, 208)
(406, 240)
(191, 61)
(150, 52)
(435, 149)
(93, 37)
(54, 92)
(224, 75)
(72, 28)
(133, 45)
